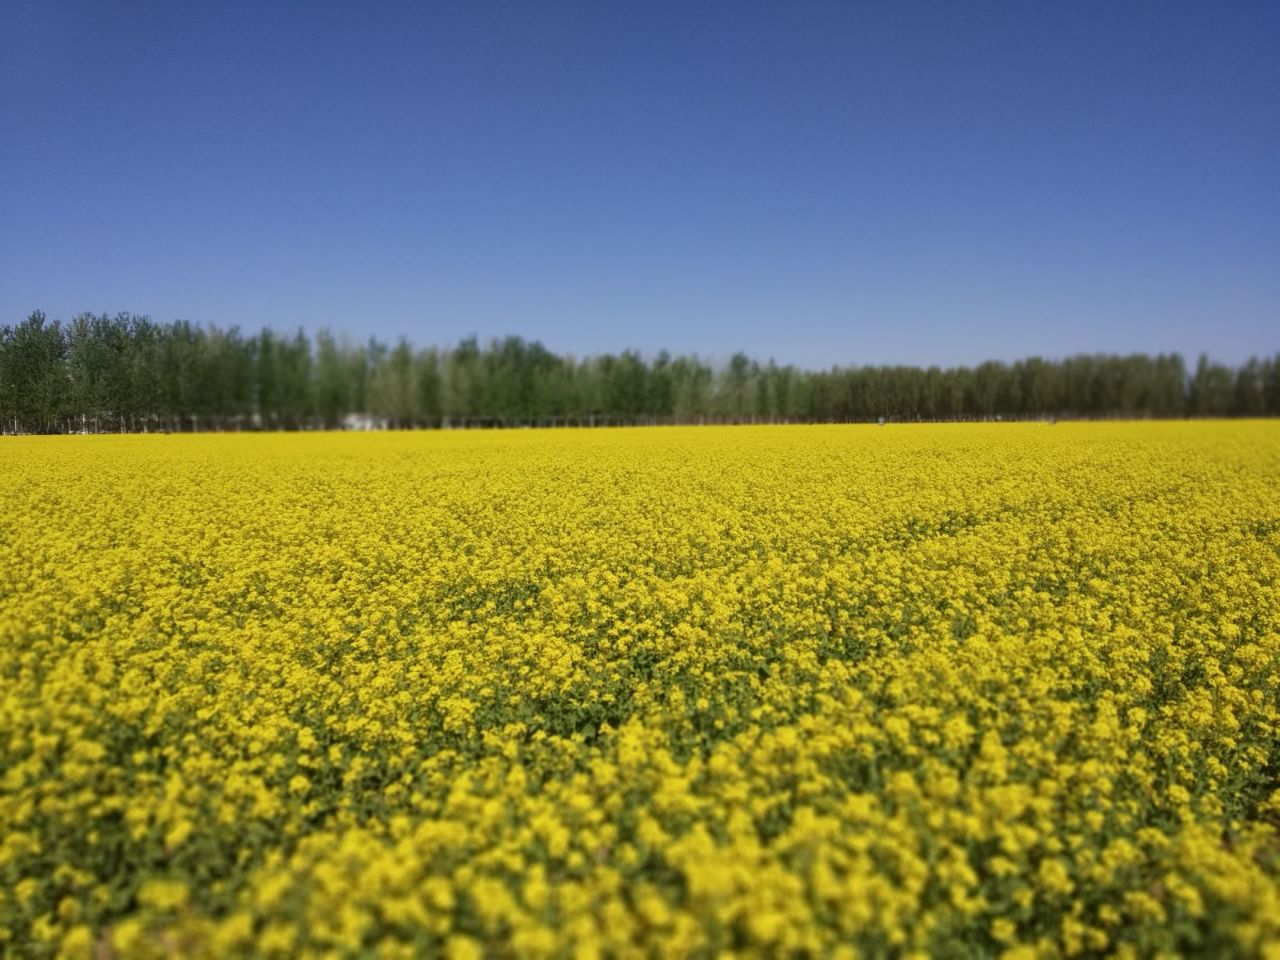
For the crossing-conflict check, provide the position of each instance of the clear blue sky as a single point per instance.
(844, 182)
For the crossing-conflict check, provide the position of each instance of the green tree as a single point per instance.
(34, 375)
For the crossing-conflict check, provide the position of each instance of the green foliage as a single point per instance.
(126, 373)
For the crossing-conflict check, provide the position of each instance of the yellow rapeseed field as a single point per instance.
(958, 690)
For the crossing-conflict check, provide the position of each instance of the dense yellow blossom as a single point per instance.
(832, 691)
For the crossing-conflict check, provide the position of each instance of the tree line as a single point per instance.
(102, 373)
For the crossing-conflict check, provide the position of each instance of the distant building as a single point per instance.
(364, 421)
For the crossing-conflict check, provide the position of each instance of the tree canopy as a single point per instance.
(129, 373)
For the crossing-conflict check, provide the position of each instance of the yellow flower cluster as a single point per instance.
(953, 690)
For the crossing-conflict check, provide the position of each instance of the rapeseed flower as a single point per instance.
(841, 691)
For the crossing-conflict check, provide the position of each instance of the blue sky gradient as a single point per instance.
(820, 183)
